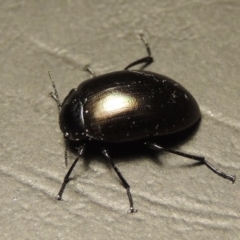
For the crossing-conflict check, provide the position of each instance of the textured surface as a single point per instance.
(193, 42)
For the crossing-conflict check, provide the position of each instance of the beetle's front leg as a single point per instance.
(67, 176)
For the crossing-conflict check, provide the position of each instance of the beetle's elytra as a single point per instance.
(127, 106)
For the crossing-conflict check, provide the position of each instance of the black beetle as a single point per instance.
(127, 106)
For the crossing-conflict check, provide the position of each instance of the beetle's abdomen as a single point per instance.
(136, 105)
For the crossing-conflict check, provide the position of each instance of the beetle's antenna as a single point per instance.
(194, 157)
(54, 94)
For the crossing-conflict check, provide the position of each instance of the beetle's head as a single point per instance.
(71, 118)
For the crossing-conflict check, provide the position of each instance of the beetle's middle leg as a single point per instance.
(146, 60)
(124, 182)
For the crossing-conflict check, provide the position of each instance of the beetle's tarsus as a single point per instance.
(132, 210)
(218, 172)
(59, 198)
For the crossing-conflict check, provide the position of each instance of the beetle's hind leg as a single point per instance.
(124, 182)
(201, 159)
(146, 60)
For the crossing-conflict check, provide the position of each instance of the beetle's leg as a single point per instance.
(88, 69)
(193, 157)
(54, 94)
(147, 60)
(66, 178)
(66, 153)
(124, 182)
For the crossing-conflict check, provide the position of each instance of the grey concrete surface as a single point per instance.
(196, 43)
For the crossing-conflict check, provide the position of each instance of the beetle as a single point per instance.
(127, 106)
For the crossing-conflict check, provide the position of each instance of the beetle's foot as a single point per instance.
(59, 198)
(132, 210)
(232, 178)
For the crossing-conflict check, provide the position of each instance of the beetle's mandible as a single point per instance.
(127, 106)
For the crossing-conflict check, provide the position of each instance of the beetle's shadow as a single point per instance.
(133, 151)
